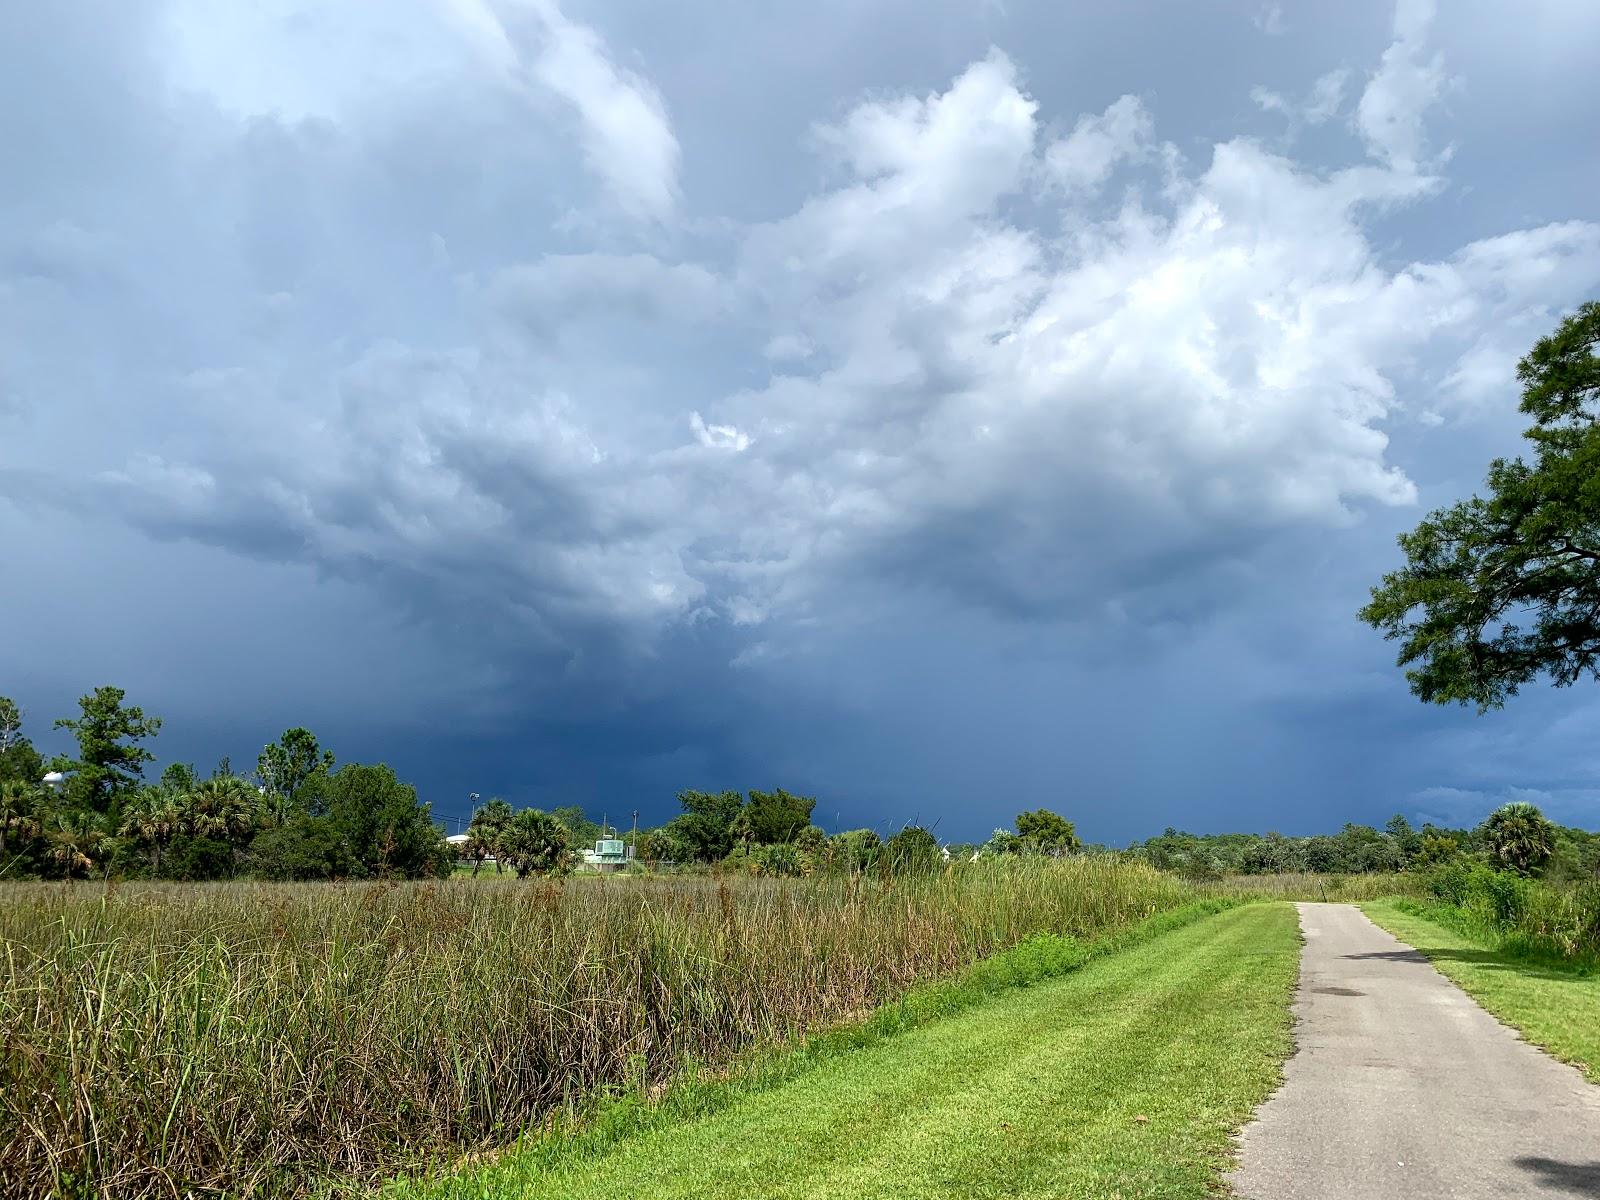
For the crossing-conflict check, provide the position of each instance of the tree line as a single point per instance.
(302, 816)
(305, 816)
(760, 832)
(1516, 837)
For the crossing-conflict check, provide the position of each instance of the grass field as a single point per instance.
(1124, 1078)
(1553, 1006)
(262, 1039)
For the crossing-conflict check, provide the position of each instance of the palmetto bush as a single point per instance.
(158, 1040)
(227, 807)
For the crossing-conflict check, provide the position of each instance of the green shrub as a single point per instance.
(853, 851)
(305, 849)
(198, 859)
(1521, 915)
(781, 859)
(1454, 882)
(913, 850)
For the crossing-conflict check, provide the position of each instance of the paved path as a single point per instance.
(1401, 1086)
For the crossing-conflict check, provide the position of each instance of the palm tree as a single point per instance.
(1519, 837)
(742, 830)
(276, 808)
(488, 829)
(224, 806)
(154, 817)
(478, 847)
(76, 841)
(536, 842)
(19, 812)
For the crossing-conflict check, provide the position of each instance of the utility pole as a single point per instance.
(633, 847)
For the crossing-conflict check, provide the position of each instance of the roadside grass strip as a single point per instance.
(1553, 1006)
(1116, 1069)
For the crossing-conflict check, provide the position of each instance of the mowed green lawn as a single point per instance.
(1558, 1010)
(1123, 1079)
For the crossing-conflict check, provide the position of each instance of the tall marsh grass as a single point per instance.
(255, 1040)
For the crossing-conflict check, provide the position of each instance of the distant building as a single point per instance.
(609, 854)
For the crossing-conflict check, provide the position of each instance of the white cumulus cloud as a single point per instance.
(1410, 79)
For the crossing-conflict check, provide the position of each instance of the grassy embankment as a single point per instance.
(263, 1039)
(1124, 1078)
(1553, 1000)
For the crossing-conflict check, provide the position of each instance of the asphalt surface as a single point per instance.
(1401, 1086)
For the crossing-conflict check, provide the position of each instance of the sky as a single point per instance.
(941, 409)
